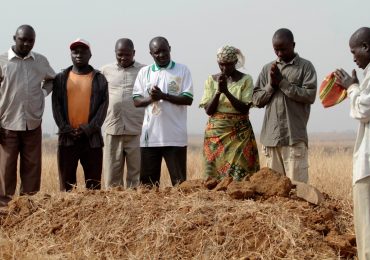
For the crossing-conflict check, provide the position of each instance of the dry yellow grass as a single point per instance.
(172, 224)
(330, 167)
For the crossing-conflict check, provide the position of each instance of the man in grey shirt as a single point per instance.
(287, 88)
(26, 80)
(124, 121)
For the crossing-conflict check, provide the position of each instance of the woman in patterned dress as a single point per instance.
(230, 147)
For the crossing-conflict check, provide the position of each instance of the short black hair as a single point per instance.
(25, 27)
(158, 38)
(126, 41)
(284, 33)
(362, 35)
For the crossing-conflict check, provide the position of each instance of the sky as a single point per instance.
(195, 30)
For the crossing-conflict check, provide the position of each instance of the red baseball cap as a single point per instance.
(79, 42)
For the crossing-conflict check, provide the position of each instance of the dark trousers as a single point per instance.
(91, 160)
(28, 145)
(151, 160)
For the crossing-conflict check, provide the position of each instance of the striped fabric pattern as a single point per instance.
(331, 93)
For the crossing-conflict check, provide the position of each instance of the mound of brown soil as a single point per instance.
(174, 223)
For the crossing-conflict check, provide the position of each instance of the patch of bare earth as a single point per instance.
(259, 218)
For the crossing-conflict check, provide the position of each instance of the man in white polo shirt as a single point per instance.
(165, 89)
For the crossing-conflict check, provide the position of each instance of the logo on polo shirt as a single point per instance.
(174, 86)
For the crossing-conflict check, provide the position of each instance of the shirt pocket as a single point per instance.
(298, 153)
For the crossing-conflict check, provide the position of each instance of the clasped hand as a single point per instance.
(76, 133)
(344, 79)
(156, 93)
(275, 75)
(222, 83)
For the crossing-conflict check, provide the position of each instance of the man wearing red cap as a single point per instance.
(25, 78)
(80, 102)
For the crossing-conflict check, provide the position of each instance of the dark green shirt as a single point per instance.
(288, 106)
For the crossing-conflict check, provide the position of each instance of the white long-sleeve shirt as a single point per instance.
(359, 95)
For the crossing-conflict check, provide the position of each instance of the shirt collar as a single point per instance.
(133, 65)
(293, 61)
(367, 69)
(12, 54)
(155, 67)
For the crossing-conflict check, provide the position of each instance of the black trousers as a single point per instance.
(91, 160)
(27, 146)
(151, 160)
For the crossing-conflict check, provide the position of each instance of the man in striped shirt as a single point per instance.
(26, 78)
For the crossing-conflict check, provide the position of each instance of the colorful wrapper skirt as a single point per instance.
(230, 148)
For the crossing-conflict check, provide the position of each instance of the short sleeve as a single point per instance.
(187, 84)
(139, 86)
(209, 92)
(247, 90)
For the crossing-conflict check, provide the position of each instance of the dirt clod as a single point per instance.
(257, 218)
(270, 183)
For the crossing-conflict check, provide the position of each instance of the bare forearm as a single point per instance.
(211, 107)
(237, 104)
(178, 100)
(142, 101)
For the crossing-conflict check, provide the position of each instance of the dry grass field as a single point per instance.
(330, 166)
(173, 224)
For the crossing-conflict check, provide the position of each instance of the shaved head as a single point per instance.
(25, 28)
(360, 36)
(284, 33)
(283, 43)
(24, 39)
(124, 43)
(158, 39)
(160, 50)
(125, 52)
(359, 43)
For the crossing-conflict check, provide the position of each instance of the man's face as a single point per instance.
(80, 56)
(284, 48)
(161, 53)
(24, 40)
(361, 52)
(125, 56)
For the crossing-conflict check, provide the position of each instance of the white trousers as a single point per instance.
(361, 207)
(291, 161)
